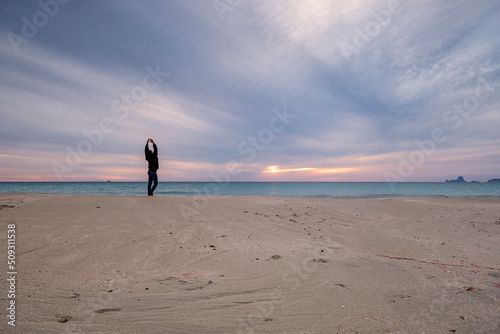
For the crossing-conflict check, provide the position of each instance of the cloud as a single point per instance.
(356, 114)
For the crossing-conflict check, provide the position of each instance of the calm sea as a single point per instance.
(285, 189)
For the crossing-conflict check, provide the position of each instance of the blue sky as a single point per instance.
(250, 90)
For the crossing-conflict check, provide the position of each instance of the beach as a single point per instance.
(138, 264)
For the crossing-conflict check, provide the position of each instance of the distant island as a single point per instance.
(460, 179)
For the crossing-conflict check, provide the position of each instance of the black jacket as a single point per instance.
(152, 158)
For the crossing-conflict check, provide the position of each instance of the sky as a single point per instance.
(250, 90)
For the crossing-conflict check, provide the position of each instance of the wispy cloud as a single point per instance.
(355, 116)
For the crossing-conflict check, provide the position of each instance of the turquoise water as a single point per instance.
(285, 189)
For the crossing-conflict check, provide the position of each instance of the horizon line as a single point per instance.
(109, 181)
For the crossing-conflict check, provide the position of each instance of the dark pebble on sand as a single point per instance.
(63, 319)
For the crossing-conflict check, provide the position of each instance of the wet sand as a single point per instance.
(111, 264)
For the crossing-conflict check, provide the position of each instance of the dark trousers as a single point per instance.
(153, 179)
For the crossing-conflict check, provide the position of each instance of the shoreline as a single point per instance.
(320, 197)
(257, 264)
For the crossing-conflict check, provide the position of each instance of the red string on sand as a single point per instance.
(436, 263)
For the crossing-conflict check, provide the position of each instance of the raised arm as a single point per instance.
(155, 149)
(146, 149)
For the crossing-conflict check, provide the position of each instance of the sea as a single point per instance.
(282, 189)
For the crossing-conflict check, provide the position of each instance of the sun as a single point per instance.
(276, 169)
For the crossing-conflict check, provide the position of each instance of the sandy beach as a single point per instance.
(111, 264)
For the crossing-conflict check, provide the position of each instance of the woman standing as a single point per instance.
(152, 158)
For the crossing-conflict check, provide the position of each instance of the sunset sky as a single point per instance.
(251, 90)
